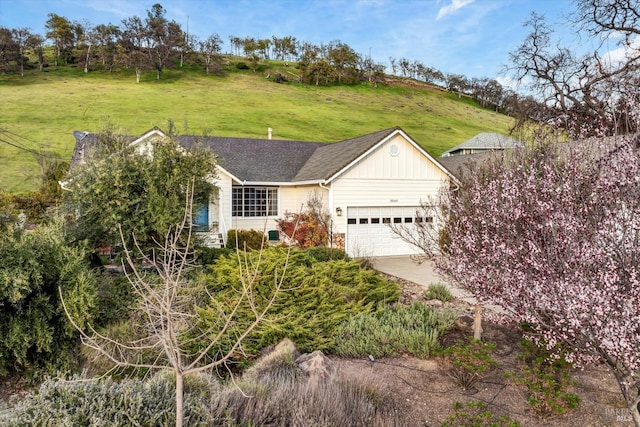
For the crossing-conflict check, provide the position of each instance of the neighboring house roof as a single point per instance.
(460, 166)
(256, 160)
(483, 142)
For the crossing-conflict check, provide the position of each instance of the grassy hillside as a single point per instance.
(40, 111)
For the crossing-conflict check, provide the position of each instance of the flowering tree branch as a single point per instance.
(552, 236)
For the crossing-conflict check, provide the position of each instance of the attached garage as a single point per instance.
(369, 232)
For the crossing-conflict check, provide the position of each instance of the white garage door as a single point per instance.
(369, 233)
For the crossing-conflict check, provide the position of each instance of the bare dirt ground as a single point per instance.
(426, 393)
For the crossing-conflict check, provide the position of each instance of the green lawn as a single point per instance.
(41, 110)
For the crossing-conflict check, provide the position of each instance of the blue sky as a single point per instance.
(470, 37)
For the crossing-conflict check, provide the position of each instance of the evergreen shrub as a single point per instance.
(252, 238)
(438, 291)
(393, 330)
(324, 253)
(316, 297)
(36, 336)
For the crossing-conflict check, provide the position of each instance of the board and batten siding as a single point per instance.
(401, 176)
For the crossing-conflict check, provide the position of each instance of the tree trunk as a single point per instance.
(179, 397)
(86, 60)
(629, 387)
(138, 72)
(635, 413)
(477, 323)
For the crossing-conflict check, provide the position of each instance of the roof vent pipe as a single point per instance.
(269, 132)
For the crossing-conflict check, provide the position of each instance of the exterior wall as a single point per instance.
(382, 179)
(290, 199)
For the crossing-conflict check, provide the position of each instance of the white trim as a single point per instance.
(230, 175)
(147, 135)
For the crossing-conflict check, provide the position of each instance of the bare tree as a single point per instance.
(167, 311)
(584, 89)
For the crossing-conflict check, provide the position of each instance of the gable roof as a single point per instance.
(329, 159)
(485, 141)
(272, 161)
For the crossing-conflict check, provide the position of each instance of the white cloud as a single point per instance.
(453, 7)
(623, 53)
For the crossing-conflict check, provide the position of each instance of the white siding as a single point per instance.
(395, 179)
(380, 179)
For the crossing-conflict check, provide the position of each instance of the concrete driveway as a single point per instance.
(422, 274)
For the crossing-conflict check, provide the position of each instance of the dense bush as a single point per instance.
(36, 335)
(114, 299)
(120, 188)
(106, 402)
(392, 331)
(253, 239)
(324, 253)
(207, 256)
(305, 229)
(242, 66)
(315, 297)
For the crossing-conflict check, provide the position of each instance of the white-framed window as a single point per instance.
(254, 201)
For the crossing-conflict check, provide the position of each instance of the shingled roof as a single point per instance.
(329, 159)
(484, 141)
(462, 166)
(272, 160)
(258, 160)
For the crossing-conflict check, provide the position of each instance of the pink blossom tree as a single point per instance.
(551, 235)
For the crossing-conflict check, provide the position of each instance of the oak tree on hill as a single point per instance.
(163, 37)
(60, 31)
(210, 50)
